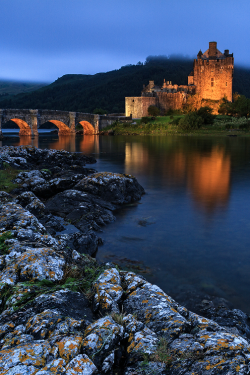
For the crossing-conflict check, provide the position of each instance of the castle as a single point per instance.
(210, 81)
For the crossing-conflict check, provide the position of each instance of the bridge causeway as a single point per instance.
(30, 120)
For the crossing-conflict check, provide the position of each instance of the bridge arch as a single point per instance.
(63, 129)
(23, 126)
(88, 128)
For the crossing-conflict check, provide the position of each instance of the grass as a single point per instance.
(3, 237)
(7, 175)
(75, 279)
(166, 125)
(164, 355)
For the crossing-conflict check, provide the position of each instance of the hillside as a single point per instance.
(84, 93)
(14, 87)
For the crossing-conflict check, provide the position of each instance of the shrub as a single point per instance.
(175, 121)
(206, 114)
(169, 112)
(191, 121)
(145, 120)
(99, 111)
(245, 126)
(153, 110)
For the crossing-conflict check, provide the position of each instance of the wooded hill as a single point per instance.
(15, 87)
(85, 93)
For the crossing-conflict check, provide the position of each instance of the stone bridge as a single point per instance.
(30, 120)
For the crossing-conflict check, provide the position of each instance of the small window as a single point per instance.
(212, 82)
(226, 83)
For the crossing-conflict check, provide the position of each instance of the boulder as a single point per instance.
(83, 210)
(113, 187)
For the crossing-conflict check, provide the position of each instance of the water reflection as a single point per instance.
(208, 178)
(205, 172)
(164, 231)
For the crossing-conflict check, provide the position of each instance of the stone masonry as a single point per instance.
(211, 80)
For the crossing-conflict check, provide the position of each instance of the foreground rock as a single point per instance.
(62, 313)
(53, 187)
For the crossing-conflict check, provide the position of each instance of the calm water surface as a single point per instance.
(192, 227)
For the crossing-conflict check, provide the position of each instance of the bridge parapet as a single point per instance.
(30, 120)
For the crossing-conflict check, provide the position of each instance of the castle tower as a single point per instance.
(213, 73)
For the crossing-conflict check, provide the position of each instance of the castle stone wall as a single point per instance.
(138, 106)
(214, 78)
(168, 100)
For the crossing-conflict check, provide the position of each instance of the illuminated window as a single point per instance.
(212, 82)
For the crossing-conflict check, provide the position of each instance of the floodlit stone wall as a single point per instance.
(214, 78)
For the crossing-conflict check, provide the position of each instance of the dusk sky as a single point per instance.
(42, 40)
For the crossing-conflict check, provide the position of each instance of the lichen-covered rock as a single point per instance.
(51, 324)
(30, 179)
(113, 187)
(31, 203)
(81, 365)
(154, 308)
(101, 338)
(14, 217)
(131, 281)
(54, 186)
(186, 343)
(108, 291)
(70, 304)
(31, 354)
(40, 264)
(146, 368)
(68, 347)
(222, 342)
(211, 366)
(55, 367)
(144, 341)
(140, 338)
(21, 370)
(84, 243)
(12, 340)
(33, 264)
(42, 325)
(5, 197)
(24, 157)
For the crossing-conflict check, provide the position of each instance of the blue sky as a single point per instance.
(42, 40)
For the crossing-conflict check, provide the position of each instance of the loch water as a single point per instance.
(192, 227)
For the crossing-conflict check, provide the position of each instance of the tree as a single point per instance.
(191, 121)
(206, 114)
(99, 111)
(153, 110)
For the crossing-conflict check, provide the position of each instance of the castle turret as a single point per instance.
(212, 49)
(213, 73)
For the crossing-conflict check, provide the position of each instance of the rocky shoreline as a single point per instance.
(62, 313)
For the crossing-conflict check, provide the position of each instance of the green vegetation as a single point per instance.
(3, 237)
(107, 91)
(200, 122)
(14, 87)
(191, 121)
(165, 355)
(240, 107)
(153, 110)
(99, 111)
(7, 175)
(76, 278)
